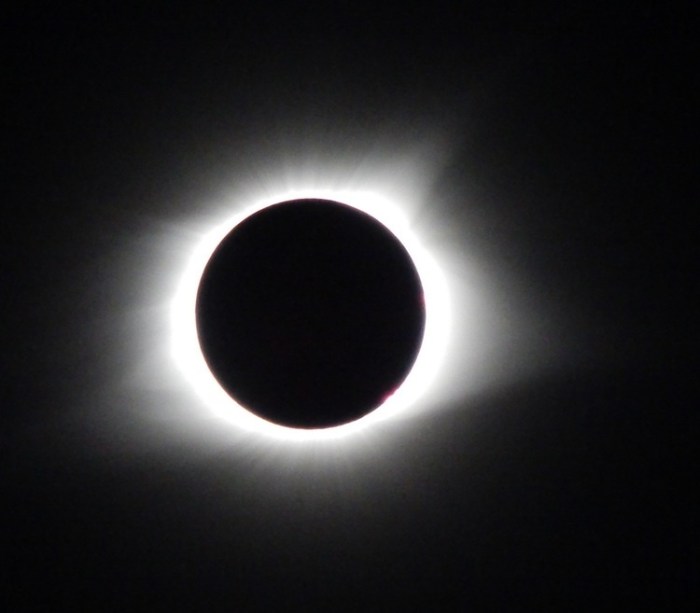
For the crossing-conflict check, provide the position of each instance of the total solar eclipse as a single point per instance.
(310, 313)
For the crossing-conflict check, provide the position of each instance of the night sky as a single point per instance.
(543, 155)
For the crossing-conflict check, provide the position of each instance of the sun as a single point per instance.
(189, 359)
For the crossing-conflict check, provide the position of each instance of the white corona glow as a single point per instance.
(187, 353)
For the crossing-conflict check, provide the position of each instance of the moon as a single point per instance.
(310, 313)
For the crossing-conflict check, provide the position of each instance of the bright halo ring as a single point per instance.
(187, 353)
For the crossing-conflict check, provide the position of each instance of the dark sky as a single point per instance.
(558, 141)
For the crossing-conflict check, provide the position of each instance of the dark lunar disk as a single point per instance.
(310, 313)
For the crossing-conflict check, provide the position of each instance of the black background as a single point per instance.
(569, 129)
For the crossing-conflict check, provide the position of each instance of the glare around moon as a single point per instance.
(187, 353)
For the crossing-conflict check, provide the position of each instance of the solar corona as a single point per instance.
(310, 316)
